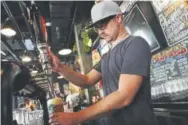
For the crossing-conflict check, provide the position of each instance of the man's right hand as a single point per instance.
(78, 79)
(54, 61)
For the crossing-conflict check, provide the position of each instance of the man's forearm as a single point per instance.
(113, 101)
(74, 77)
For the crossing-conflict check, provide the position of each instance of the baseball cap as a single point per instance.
(103, 10)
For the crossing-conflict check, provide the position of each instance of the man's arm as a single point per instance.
(128, 87)
(76, 78)
(135, 67)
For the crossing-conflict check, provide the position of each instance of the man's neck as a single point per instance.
(122, 35)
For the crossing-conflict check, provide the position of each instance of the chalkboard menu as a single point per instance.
(173, 17)
(169, 74)
(170, 64)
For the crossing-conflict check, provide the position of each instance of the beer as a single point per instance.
(55, 105)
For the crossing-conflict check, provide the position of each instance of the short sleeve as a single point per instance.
(136, 58)
(98, 67)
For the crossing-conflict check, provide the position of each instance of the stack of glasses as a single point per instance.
(173, 90)
(25, 117)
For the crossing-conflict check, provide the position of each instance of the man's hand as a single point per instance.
(74, 77)
(54, 61)
(62, 118)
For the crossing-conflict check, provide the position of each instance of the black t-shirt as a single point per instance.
(131, 56)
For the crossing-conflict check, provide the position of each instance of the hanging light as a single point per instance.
(26, 59)
(34, 71)
(65, 52)
(6, 28)
(5, 60)
(48, 23)
(60, 77)
(9, 32)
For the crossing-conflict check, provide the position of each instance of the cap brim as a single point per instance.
(91, 25)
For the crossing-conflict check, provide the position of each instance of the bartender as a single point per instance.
(125, 71)
(29, 105)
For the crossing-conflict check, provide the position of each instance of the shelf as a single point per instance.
(169, 103)
(171, 110)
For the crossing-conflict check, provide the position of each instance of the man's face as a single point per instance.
(93, 99)
(108, 28)
(27, 101)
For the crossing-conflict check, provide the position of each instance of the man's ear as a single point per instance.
(119, 18)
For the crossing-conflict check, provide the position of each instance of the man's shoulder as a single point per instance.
(139, 40)
(132, 38)
(135, 41)
(103, 56)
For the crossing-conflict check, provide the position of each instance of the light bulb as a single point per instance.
(65, 52)
(8, 32)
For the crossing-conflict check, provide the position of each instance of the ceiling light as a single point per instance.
(3, 53)
(4, 60)
(48, 23)
(65, 51)
(34, 71)
(60, 77)
(26, 59)
(8, 32)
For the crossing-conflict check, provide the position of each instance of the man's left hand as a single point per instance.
(62, 118)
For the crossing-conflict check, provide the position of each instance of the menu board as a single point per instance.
(170, 64)
(173, 17)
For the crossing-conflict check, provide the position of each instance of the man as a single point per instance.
(29, 105)
(94, 99)
(124, 70)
